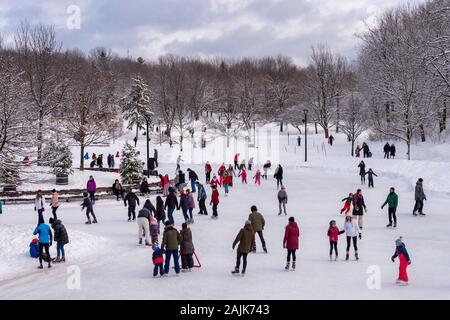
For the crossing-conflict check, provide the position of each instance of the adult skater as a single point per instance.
(184, 205)
(250, 164)
(370, 175)
(170, 243)
(160, 212)
(54, 204)
(282, 200)
(193, 178)
(279, 176)
(245, 238)
(420, 197)
(61, 237)
(91, 188)
(366, 150)
(181, 180)
(155, 156)
(186, 248)
(87, 204)
(214, 201)
(39, 206)
(201, 198)
(171, 204)
(164, 184)
(236, 161)
(333, 236)
(45, 242)
(362, 172)
(331, 140)
(132, 199)
(144, 188)
(266, 168)
(258, 224)
(208, 170)
(220, 172)
(393, 151)
(179, 161)
(352, 232)
(387, 150)
(392, 202)
(359, 206)
(405, 261)
(117, 189)
(143, 222)
(290, 241)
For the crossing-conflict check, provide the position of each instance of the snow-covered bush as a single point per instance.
(130, 165)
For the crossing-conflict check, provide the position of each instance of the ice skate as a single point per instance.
(356, 256)
(293, 265)
(347, 256)
(57, 260)
(88, 222)
(287, 266)
(41, 267)
(140, 241)
(95, 221)
(235, 271)
(389, 225)
(63, 259)
(395, 224)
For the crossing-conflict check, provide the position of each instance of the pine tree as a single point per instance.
(135, 106)
(9, 171)
(130, 165)
(59, 157)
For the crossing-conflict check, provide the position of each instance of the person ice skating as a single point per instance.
(352, 231)
(392, 202)
(61, 237)
(193, 177)
(214, 201)
(131, 199)
(370, 175)
(87, 204)
(144, 188)
(245, 238)
(387, 150)
(171, 204)
(54, 203)
(258, 224)
(250, 164)
(1, 206)
(160, 212)
(362, 172)
(405, 261)
(366, 150)
(347, 205)
(226, 182)
(243, 175)
(279, 176)
(155, 156)
(164, 184)
(220, 172)
(266, 168)
(191, 206)
(242, 166)
(94, 157)
(201, 198)
(333, 235)
(184, 204)
(45, 242)
(393, 151)
(100, 161)
(208, 170)
(117, 189)
(179, 162)
(231, 174)
(420, 197)
(86, 156)
(186, 248)
(359, 206)
(215, 182)
(39, 206)
(290, 241)
(236, 161)
(181, 180)
(358, 151)
(282, 200)
(154, 229)
(143, 222)
(257, 177)
(331, 140)
(91, 187)
(170, 243)
(158, 261)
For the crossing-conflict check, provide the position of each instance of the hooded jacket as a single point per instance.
(245, 238)
(60, 232)
(291, 236)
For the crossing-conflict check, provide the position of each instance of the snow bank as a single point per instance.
(15, 259)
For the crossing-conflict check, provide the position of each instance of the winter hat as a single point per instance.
(153, 220)
(155, 246)
(35, 241)
(167, 223)
(51, 220)
(399, 241)
(253, 209)
(248, 222)
(332, 222)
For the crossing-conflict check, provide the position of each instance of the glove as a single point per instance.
(284, 246)
(409, 262)
(232, 247)
(365, 209)
(393, 259)
(382, 207)
(360, 236)
(51, 243)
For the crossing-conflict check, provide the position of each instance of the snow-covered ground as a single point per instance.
(113, 265)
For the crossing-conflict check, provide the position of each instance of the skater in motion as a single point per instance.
(54, 204)
(170, 243)
(393, 151)
(132, 199)
(359, 207)
(201, 198)
(214, 201)
(39, 206)
(45, 242)
(370, 175)
(257, 177)
(143, 222)
(392, 202)
(243, 175)
(61, 237)
(179, 162)
(258, 224)
(420, 197)
(171, 204)
(91, 187)
(347, 205)
(290, 242)
(245, 238)
(208, 170)
(282, 200)
(405, 261)
(266, 168)
(362, 172)
(117, 189)
(279, 176)
(333, 235)
(352, 232)
(87, 204)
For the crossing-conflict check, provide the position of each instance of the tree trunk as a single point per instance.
(281, 126)
(327, 132)
(39, 137)
(315, 127)
(409, 149)
(422, 133)
(338, 111)
(137, 136)
(353, 147)
(82, 157)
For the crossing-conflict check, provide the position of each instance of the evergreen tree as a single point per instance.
(9, 171)
(130, 165)
(59, 157)
(136, 108)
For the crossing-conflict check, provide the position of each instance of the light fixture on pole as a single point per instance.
(306, 134)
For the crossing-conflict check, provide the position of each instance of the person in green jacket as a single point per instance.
(246, 239)
(170, 243)
(1, 206)
(392, 202)
(258, 224)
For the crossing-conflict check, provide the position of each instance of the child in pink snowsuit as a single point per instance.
(402, 254)
(154, 229)
(257, 177)
(243, 175)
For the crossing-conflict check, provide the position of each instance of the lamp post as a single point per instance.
(160, 133)
(306, 134)
(148, 147)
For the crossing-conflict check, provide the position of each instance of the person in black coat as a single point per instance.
(171, 204)
(61, 237)
(160, 213)
(359, 206)
(387, 150)
(393, 151)
(144, 188)
(362, 172)
(132, 200)
(181, 180)
(370, 175)
(193, 178)
(366, 150)
(87, 204)
(279, 176)
(117, 189)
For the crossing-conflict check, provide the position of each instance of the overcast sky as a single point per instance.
(229, 28)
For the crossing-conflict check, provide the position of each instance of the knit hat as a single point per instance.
(248, 222)
(399, 241)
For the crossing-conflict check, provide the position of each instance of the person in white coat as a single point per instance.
(39, 206)
(352, 232)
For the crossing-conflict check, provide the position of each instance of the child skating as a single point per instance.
(243, 175)
(347, 205)
(333, 236)
(87, 204)
(158, 261)
(214, 201)
(257, 177)
(370, 175)
(405, 261)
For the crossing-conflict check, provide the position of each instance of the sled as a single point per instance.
(197, 263)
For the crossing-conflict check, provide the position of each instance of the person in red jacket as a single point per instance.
(236, 161)
(290, 242)
(333, 235)
(220, 172)
(214, 201)
(208, 170)
(164, 184)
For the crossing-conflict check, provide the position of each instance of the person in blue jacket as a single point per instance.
(1, 206)
(45, 242)
(34, 248)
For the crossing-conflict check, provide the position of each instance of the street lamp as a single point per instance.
(306, 134)
(148, 146)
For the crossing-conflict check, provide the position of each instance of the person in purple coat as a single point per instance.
(91, 187)
(191, 206)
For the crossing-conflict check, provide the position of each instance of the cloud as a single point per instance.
(230, 28)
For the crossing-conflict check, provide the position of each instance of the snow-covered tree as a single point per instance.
(354, 118)
(58, 156)
(130, 165)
